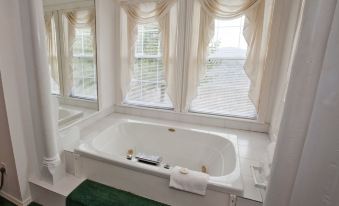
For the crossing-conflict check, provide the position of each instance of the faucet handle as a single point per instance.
(129, 154)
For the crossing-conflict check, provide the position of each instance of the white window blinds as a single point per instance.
(71, 48)
(148, 85)
(223, 89)
(84, 68)
(80, 54)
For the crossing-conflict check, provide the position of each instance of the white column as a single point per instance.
(52, 169)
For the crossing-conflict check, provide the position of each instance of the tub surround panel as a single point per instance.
(145, 185)
(53, 195)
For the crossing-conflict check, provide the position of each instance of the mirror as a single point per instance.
(71, 50)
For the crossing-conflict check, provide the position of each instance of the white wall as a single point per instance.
(20, 92)
(317, 182)
(19, 79)
(11, 184)
(11, 61)
(58, 2)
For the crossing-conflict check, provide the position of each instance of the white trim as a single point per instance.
(68, 5)
(84, 122)
(194, 118)
(73, 101)
(15, 200)
(189, 9)
(181, 51)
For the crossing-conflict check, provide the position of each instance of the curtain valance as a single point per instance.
(226, 9)
(146, 12)
(81, 18)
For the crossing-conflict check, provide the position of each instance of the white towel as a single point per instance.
(189, 180)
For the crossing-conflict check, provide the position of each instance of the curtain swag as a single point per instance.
(164, 13)
(205, 13)
(84, 18)
(51, 47)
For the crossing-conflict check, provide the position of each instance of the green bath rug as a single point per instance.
(4, 202)
(91, 193)
(34, 204)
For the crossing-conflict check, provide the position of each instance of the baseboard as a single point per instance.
(15, 200)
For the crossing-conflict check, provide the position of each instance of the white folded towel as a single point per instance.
(189, 180)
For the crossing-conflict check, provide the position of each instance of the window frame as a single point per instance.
(138, 56)
(96, 75)
(193, 108)
(59, 9)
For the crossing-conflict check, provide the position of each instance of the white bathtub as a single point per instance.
(184, 147)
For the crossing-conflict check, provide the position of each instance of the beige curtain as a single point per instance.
(205, 12)
(84, 18)
(52, 50)
(136, 12)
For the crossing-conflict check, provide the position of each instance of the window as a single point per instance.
(207, 57)
(84, 68)
(147, 87)
(224, 87)
(72, 54)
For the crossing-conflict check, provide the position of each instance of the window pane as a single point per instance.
(223, 89)
(148, 84)
(83, 65)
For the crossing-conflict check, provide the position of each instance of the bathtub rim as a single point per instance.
(235, 187)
